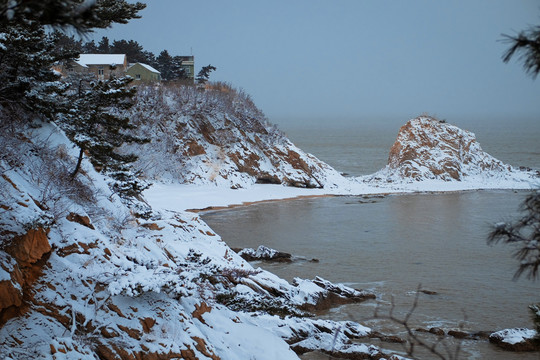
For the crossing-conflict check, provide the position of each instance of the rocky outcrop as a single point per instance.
(218, 136)
(20, 266)
(11, 282)
(518, 339)
(330, 294)
(427, 148)
(264, 253)
(30, 247)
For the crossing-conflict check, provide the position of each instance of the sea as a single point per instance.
(394, 245)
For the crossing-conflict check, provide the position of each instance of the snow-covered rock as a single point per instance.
(517, 339)
(429, 149)
(264, 253)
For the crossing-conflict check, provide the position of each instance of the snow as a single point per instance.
(514, 336)
(181, 197)
(7, 265)
(148, 67)
(101, 59)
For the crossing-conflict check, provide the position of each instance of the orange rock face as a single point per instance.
(83, 220)
(427, 148)
(27, 250)
(11, 291)
(30, 247)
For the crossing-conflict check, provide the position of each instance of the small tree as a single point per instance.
(524, 232)
(204, 74)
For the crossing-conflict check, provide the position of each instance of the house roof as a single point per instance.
(147, 67)
(101, 59)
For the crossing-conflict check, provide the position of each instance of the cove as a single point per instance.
(392, 244)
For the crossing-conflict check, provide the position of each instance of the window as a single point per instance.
(138, 76)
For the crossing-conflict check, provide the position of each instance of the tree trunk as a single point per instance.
(79, 161)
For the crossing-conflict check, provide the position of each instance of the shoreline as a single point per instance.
(199, 199)
(248, 203)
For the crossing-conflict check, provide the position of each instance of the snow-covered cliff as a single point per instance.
(218, 136)
(82, 277)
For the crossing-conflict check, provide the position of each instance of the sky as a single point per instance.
(352, 60)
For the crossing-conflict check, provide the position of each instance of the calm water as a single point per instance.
(392, 244)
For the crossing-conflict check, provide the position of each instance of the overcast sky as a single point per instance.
(352, 59)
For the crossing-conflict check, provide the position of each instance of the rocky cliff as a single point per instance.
(429, 149)
(218, 136)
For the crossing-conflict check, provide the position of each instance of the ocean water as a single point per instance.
(362, 148)
(393, 244)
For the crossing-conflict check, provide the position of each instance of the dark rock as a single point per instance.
(264, 253)
(459, 334)
(481, 335)
(437, 331)
(336, 295)
(386, 338)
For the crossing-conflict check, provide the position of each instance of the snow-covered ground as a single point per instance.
(180, 197)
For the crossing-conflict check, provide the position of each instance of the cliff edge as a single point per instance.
(220, 137)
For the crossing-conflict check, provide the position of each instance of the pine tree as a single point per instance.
(527, 45)
(133, 50)
(97, 123)
(27, 81)
(83, 16)
(67, 44)
(28, 52)
(103, 46)
(90, 112)
(90, 47)
(204, 74)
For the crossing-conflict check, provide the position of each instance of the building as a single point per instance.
(188, 65)
(101, 65)
(143, 72)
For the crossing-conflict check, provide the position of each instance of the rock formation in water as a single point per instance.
(427, 148)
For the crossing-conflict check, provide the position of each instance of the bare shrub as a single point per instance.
(50, 170)
(440, 349)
